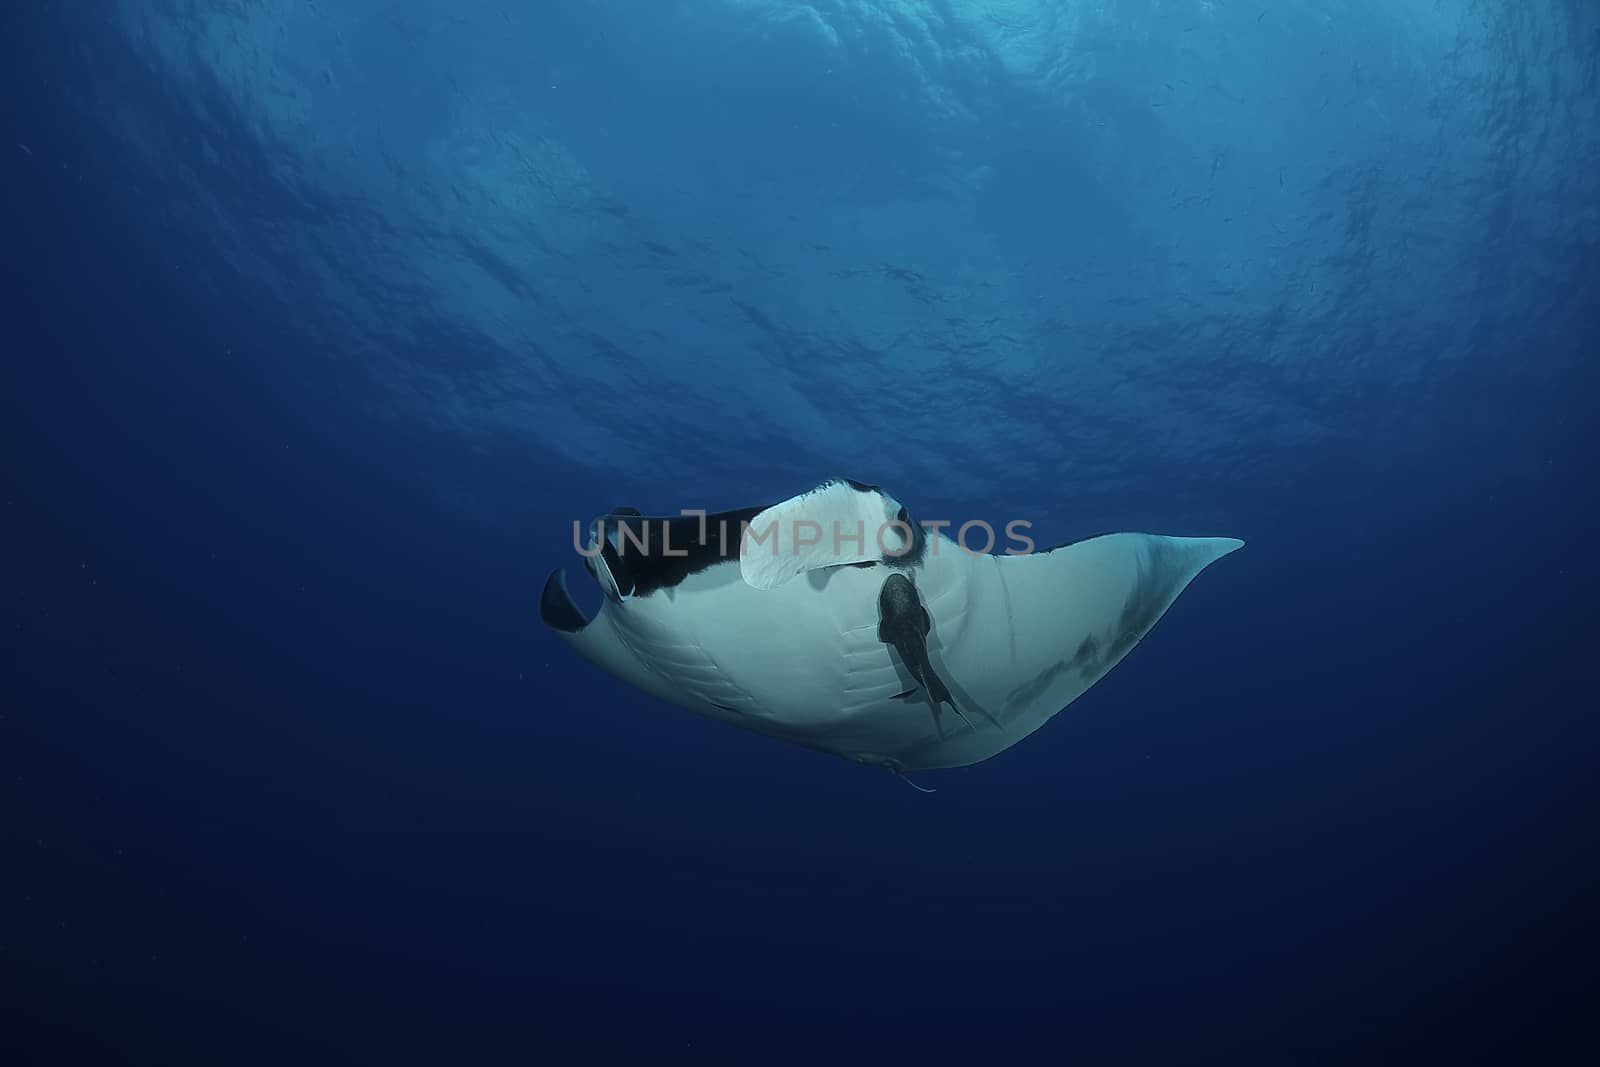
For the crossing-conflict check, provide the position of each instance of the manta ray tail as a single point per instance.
(919, 788)
(894, 768)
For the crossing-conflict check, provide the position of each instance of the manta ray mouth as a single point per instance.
(631, 555)
(604, 560)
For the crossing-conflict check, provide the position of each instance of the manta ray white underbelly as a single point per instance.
(832, 620)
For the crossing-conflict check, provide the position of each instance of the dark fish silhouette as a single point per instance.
(904, 623)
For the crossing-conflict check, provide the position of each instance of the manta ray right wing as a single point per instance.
(1023, 636)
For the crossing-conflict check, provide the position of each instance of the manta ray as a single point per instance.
(834, 621)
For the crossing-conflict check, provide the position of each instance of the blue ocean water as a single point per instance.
(326, 319)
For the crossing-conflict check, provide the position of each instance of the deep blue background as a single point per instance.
(290, 771)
